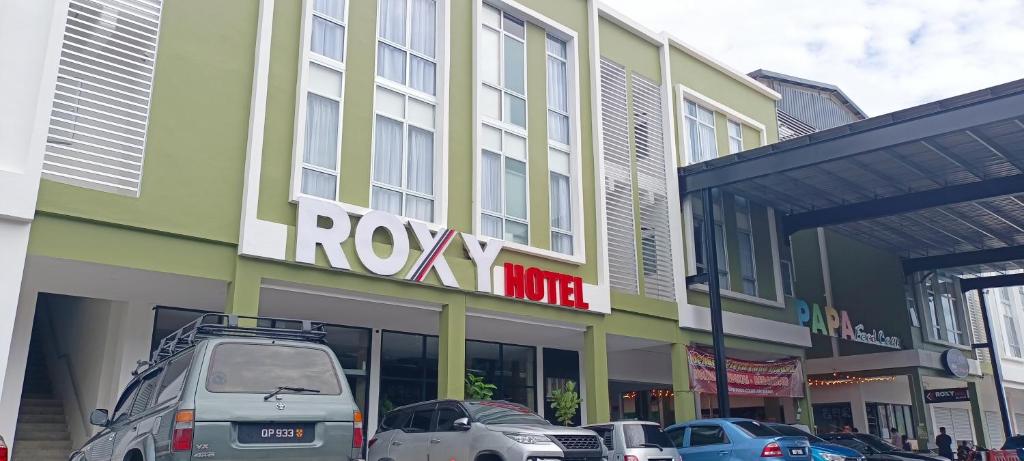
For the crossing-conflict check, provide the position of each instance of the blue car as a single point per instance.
(736, 439)
(821, 449)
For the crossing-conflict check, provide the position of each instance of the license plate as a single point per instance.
(797, 452)
(276, 433)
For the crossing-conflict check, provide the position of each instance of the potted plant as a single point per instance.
(477, 388)
(566, 402)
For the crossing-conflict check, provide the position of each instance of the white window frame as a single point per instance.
(570, 37)
(439, 101)
(750, 238)
(683, 94)
(787, 266)
(729, 123)
(1009, 320)
(308, 57)
(935, 326)
(689, 119)
(563, 148)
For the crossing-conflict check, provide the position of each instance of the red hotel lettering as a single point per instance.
(533, 284)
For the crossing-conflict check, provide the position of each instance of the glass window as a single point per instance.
(352, 347)
(700, 129)
(319, 170)
(951, 310)
(908, 293)
(645, 435)
(421, 419)
(698, 239)
(707, 435)
(882, 417)
(395, 420)
(788, 272)
(561, 203)
(446, 416)
(735, 137)
(502, 103)
(676, 436)
(406, 48)
(932, 311)
(509, 367)
(756, 429)
(745, 239)
(1009, 323)
(408, 369)
(493, 412)
(262, 368)
(173, 377)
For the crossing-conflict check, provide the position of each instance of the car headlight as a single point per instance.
(528, 439)
(832, 457)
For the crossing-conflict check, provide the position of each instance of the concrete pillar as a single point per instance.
(804, 409)
(244, 291)
(14, 361)
(977, 415)
(685, 400)
(595, 371)
(451, 367)
(924, 437)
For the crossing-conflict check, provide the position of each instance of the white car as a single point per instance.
(636, 441)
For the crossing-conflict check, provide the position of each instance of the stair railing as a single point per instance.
(69, 372)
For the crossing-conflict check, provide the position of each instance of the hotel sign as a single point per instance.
(327, 225)
(837, 324)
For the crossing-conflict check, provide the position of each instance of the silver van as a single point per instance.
(231, 388)
(636, 441)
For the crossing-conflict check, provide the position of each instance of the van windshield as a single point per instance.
(263, 368)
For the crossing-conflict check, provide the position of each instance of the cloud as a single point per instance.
(885, 54)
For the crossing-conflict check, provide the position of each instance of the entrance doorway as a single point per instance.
(642, 402)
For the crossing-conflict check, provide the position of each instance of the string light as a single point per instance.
(841, 380)
(656, 393)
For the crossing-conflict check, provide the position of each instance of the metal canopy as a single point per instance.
(941, 184)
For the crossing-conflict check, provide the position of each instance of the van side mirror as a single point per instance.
(461, 424)
(99, 417)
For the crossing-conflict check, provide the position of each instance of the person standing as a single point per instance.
(894, 437)
(945, 444)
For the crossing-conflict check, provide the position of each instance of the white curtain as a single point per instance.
(392, 20)
(321, 144)
(332, 8)
(708, 143)
(419, 208)
(387, 152)
(561, 218)
(491, 226)
(517, 232)
(386, 200)
(490, 181)
(515, 188)
(558, 127)
(328, 39)
(421, 74)
(318, 184)
(390, 63)
(424, 27)
(557, 96)
(420, 173)
(561, 243)
(694, 134)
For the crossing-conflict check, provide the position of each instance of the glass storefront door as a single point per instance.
(408, 369)
(511, 368)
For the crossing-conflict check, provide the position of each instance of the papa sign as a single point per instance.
(836, 323)
(550, 287)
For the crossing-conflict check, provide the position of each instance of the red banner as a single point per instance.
(777, 378)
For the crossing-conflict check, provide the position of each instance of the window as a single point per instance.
(745, 239)
(951, 310)
(262, 368)
(700, 128)
(509, 367)
(408, 369)
(676, 436)
(756, 429)
(502, 107)
(788, 272)
(932, 311)
(446, 416)
(395, 420)
(320, 107)
(735, 137)
(945, 309)
(885, 416)
(908, 293)
(404, 160)
(421, 419)
(645, 435)
(558, 146)
(707, 435)
(1009, 324)
(145, 395)
(698, 239)
(173, 380)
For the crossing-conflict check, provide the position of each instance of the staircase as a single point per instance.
(42, 431)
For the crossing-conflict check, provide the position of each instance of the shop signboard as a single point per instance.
(956, 394)
(955, 363)
(775, 378)
(836, 323)
(328, 225)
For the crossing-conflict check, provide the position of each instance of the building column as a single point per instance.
(924, 437)
(244, 291)
(595, 371)
(685, 400)
(14, 359)
(451, 366)
(804, 408)
(977, 414)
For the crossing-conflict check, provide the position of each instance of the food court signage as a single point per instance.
(776, 378)
(327, 225)
(829, 321)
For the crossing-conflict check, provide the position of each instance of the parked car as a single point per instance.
(1015, 443)
(874, 448)
(636, 441)
(473, 430)
(821, 449)
(219, 390)
(736, 439)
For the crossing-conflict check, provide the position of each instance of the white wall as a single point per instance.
(640, 365)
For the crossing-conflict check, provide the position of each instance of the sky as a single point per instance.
(885, 55)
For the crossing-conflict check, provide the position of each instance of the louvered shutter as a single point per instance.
(97, 131)
(977, 323)
(994, 429)
(618, 181)
(652, 185)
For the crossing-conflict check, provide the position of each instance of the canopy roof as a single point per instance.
(940, 184)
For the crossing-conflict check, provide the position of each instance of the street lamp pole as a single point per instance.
(715, 297)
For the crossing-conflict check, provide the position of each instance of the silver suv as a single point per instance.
(636, 441)
(216, 389)
(478, 431)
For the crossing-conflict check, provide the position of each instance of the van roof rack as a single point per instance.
(214, 325)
